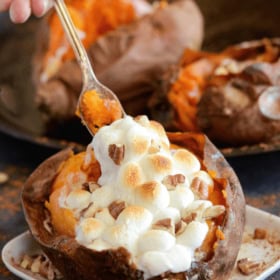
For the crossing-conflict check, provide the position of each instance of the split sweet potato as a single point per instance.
(78, 262)
(220, 94)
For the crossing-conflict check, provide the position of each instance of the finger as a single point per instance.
(40, 7)
(20, 11)
(4, 5)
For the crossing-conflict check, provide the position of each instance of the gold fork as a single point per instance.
(90, 82)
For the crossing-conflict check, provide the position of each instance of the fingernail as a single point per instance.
(47, 5)
(19, 14)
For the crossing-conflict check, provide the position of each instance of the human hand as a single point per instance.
(20, 10)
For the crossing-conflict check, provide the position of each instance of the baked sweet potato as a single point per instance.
(53, 226)
(221, 94)
(127, 59)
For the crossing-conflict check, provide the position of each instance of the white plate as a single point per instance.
(250, 248)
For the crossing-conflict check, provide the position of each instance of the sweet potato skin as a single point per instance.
(127, 60)
(78, 262)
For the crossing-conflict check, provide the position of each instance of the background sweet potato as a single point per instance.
(127, 60)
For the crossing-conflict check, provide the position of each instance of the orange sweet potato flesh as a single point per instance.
(223, 240)
(97, 112)
(92, 17)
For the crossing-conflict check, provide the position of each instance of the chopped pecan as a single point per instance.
(191, 217)
(36, 264)
(116, 153)
(165, 224)
(89, 211)
(171, 181)
(260, 233)
(26, 262)
(180, 227)
(41, 265)
(200, 188)
(116, 207)
(248, 267)
(213, 211)
(91, 186)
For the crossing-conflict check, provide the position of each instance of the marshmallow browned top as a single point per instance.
(148, 198)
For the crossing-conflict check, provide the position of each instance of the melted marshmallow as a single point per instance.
(145, 226)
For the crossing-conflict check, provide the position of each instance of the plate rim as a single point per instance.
(27, 236)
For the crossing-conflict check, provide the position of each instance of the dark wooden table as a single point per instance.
(259, 175)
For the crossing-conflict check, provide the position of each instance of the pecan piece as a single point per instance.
(260, 233)
(116, 207)
(165, 224)
(116, 153)
(248, 267)
(200, 188)
(171, 181)
(191, 217)
(213, 211)
(180, 227)
(91, 186)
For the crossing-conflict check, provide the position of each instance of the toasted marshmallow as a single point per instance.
(193, 235)
(197, 206)
(88, 230)
(154, 263)
(105, 216)
(130, 175)
(202, 175)
(137, 218)
(175, 260)
(181, 197)
(156, 131)
(103, 196)
(186, 162)
(121, 235)
(156, 166)
(78, 199)
(171, 213)
(152, 195)
(156, 240)
(180, 258)
(138, 144)
(99, 245)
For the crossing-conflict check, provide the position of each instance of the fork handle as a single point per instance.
(75, 41)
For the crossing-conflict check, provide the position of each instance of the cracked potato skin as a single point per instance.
(77, 262)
